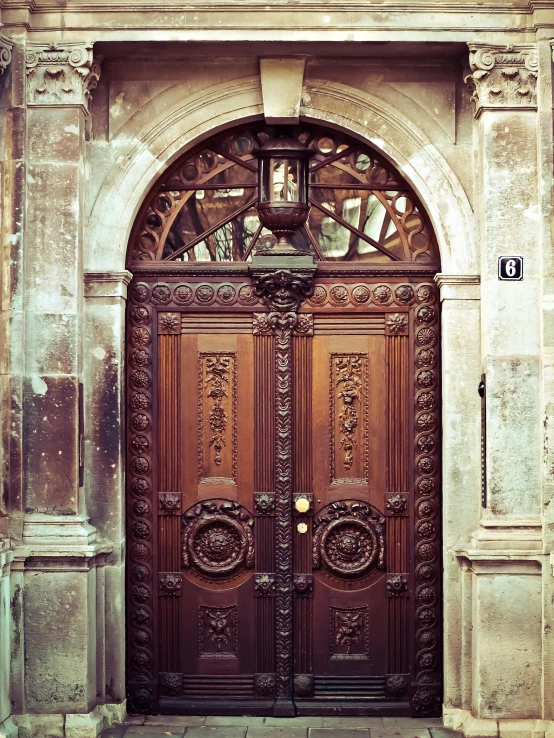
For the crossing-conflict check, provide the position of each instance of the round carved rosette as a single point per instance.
(264, 684)
(226, 294)
(349, 539)
(319, 296)
(161, 294)
(183, 294)
(426, 702)
(217, 539)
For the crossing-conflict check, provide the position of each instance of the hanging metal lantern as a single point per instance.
(283, 189)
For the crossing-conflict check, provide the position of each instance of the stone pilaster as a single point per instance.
(502, 560)
(104, 317)
(59, 566)
(59, 80)
(503, 84)
(461, 370)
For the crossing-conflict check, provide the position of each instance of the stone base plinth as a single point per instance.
(472, 727)
(88, 725)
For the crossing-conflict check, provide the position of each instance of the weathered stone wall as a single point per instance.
(74, 171)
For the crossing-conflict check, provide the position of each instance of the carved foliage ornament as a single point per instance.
(503, 76)
(349, 539)
(5, 53)
(63, 74)
(217, 538)
(217, 382)
(264, 684)
(348, 373)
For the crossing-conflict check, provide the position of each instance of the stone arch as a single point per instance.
(180, 125)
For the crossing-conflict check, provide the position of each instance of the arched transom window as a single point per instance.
(204, 207)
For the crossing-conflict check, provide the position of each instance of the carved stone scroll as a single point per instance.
(503, 77)
(5, 53)
(62, 74)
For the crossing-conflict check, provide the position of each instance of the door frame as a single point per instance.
(147, 301)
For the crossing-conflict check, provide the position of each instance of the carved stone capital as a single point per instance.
(5, 53)
(61, 74)
(502, 77)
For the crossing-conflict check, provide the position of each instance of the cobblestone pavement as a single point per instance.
(260, 727)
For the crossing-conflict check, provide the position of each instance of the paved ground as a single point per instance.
(259, 727)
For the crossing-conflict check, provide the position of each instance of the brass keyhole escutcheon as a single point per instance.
(302, 528)
(302, 505)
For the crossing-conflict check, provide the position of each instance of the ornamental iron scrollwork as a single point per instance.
(216, 538)
(349, 539)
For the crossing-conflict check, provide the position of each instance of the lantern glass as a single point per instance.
(283, 180)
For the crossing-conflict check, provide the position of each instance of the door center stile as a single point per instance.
(282, 288)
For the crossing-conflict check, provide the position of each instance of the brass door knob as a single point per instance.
(302, 505)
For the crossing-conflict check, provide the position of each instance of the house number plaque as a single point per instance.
(510, 268)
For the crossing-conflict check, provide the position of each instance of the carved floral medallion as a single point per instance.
(217, 538)
(349, 539)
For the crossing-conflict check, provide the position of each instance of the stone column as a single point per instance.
(502, 586)
(57, 564)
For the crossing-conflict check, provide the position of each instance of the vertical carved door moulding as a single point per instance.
(142, 679)
(426, 692)
(283, 291)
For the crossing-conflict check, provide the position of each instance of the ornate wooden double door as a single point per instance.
(283, 507)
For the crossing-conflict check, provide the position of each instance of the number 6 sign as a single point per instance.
(510, 268)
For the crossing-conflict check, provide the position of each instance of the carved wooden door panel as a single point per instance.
(239, 406)
(366, 597)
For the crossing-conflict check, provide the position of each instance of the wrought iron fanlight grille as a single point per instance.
(204, 208)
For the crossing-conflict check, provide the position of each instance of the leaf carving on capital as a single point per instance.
(503, 77)
(5, 53)
(61, 74)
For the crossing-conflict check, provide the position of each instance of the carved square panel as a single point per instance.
(217, 632)
(349, 633)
